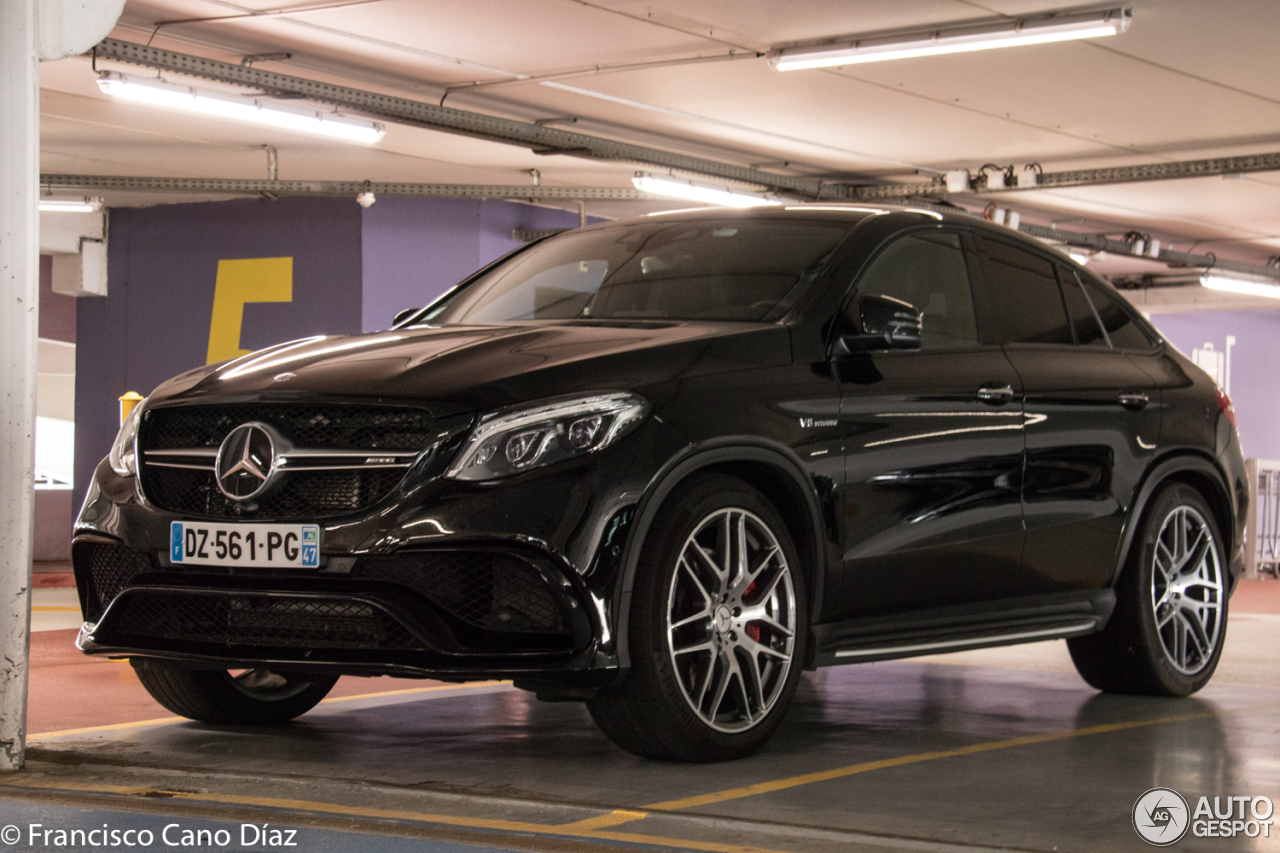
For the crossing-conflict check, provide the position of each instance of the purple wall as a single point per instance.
(162, 266)
(415, 249)
(1254, 358)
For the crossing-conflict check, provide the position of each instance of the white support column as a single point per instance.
(19, 294)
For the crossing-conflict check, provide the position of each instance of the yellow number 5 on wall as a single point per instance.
(241, 281)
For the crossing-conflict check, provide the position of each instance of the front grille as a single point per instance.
(490, 591)
(103, 569)
(280, 621)
(302, 495)
(382, 428)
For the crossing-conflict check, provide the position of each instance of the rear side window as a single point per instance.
(1125, 331)
(927, 270)
(1081, 311)
(1022, 293)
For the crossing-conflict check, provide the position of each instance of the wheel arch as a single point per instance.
(773, 469)
(1195, 470)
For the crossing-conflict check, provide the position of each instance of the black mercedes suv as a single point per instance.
(664, 465)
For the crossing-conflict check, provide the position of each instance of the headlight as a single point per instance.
(508, 442)
(121, 458)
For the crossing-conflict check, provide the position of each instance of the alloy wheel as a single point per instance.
(1187, 590)
(731, 620)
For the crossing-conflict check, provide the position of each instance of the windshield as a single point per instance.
(745, 270)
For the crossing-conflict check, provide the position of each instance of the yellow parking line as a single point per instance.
(866, 766)
(415, 690)
(394, 814)
(160, 721)
(46, 609)
(613, 818)
(139, 724)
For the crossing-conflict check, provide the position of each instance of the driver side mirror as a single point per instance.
(887, 323)
(405, 315)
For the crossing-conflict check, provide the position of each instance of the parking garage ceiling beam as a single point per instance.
(538, 138)
(1174, 171)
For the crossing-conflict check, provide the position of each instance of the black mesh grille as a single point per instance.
(306, 426)
(301, 495)
(103, 569)
(493, 592)
(280, 621)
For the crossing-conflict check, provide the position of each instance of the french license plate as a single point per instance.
(199, 543)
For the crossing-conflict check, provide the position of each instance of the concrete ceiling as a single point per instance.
(1190, 79)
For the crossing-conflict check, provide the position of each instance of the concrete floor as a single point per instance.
(995, 749)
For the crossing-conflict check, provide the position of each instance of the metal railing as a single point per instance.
(1262, 531)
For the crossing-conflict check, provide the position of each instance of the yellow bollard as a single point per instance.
(128, 401)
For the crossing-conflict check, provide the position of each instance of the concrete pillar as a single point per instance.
(19, 294)
(30, 30)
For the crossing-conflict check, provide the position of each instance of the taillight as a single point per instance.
(1224, 404)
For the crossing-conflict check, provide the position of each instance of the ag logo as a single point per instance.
(1161, 817)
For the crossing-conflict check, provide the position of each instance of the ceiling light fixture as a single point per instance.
(1230, 284)
(1040, 29)
(71, 205)
(691, 191)
(150, 90)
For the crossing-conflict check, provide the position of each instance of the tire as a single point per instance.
(717, 643)
(255, 697)
(1170, 623)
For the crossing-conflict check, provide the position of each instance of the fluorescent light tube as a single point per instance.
(71, 205)
(149, 90)
(957, 39)
(688, 190)
(1239, 285)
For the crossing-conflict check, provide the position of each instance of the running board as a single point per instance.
(955, 644)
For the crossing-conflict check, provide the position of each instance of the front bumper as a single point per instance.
(439, 612)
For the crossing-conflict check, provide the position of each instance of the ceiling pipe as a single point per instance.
(251, 186)
(540, 139)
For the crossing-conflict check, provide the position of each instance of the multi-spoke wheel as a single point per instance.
(1168, 628)
(731, 620)
(244, 697)
(717, 629)
(1187, 591)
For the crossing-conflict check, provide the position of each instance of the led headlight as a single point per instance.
(511, 441)
(122, 456)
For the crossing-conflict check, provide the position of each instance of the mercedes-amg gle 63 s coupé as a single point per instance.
(662, 466)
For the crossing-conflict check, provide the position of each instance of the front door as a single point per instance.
(934, 445)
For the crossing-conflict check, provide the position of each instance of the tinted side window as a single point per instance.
(927, 270)
(1022, 292)
(1124, 331)
(1084, 318)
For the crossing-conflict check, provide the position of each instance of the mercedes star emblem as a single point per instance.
(246, 461)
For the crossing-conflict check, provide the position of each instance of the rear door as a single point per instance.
(1091, 423)
(932, 515)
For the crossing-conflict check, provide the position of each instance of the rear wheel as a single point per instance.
(717, 629)
(1167, 632)
(235, 697)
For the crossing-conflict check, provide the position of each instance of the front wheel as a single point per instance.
(1167, 632)
(718, 623)
(241, 697)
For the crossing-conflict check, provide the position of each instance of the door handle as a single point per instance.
(1134, 400)
(995, 395)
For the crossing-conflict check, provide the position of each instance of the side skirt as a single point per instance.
(953, 629)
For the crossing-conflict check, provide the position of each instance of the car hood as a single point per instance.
(460, 369)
